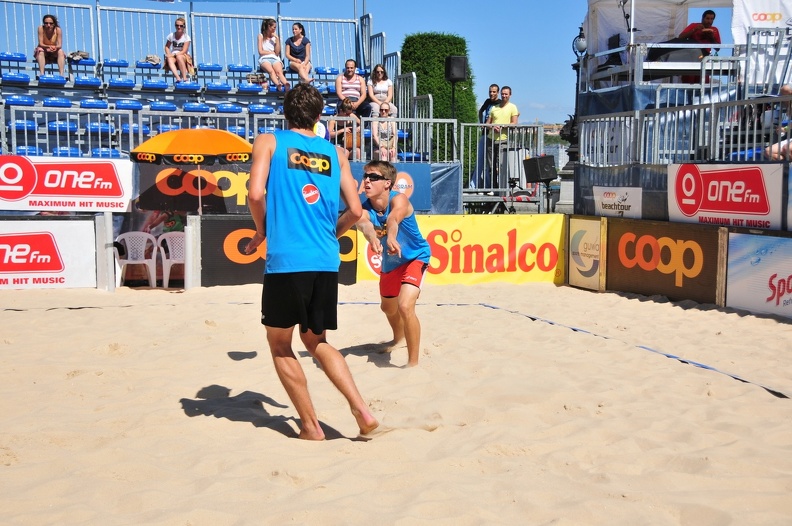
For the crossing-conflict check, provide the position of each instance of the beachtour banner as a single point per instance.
(47, 254)
(470, 249)
(64, 185)
(738, 195)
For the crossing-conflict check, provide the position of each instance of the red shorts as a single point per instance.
(411, 273)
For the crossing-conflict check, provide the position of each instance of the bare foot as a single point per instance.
(365, 421)
(306, 435)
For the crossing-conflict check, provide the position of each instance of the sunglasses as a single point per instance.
(384, 109)
(49, 23)
(179, 26)
(373, 177)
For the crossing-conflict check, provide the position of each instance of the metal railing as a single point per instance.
(21, 19)
(490, 162)
(724, 131)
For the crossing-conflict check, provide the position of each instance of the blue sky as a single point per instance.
(525, 44)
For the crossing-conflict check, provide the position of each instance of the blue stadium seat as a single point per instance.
(266, 129)
(52, 80)
(56, 102)
(240, 68)
(123, 83)
(366, 133)
(153, 84)
(218, 86)
(103, 128)
(326, 71)
(134, 128)
(129, 104)
(162, 105)
(62, 126)
(93, 104)
(87, 81)
(237, 130)
(14, 77)
(105, 153)
(754, 154)
(67, 151)
(15, 62)
(200, 107)
(261, 109)
(188, 85)
(412, 157)
(116, 63)
(29, 150)
(162, 128)
(20, 100)
(328, 110)
(247, 87)
(228, 107)
(22, 125)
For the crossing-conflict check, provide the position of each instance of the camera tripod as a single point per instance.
(516, 193)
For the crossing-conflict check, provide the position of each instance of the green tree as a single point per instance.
(425, 54)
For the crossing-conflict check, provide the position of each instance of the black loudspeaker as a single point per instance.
(455, 68)
(540, 169)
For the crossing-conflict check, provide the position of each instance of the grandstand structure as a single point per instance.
(114, 99)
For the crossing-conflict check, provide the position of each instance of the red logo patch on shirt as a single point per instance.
(310, 194)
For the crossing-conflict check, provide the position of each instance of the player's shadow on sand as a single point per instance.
(215, 400)
(376, 353)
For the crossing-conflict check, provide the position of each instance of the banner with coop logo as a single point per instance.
(64, 185)
(471, 249)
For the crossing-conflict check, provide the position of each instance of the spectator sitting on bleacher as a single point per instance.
(298, 51)
(780, 150)
(350, 85)
(343, 133)
(380, 91)
(385, 134)
(269, 48)
(50, 45)
(177, 52)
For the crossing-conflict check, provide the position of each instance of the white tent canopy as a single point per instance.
(661, 20)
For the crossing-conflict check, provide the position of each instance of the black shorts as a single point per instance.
(307, 299)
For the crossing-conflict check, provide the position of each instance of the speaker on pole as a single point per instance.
(455, 68)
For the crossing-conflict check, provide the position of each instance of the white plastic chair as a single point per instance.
(171, 245)
(139, 248)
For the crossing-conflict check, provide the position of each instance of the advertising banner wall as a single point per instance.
(65, 185)
(759, 274)
(47, 254)
(224, 262)
(727, 194)
(584, 252)
(470, 249)
(224, 188)
(673, 259)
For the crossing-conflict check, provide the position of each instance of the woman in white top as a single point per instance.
(269, 48)
(177, 52)
(385, 134)
(298, 51)
(380, 91)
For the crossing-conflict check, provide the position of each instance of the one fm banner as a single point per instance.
(747, 196)
(47, 254)
(759, 274)
(65, 185)
(471, 249)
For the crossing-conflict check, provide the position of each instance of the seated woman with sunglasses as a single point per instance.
(384, 134)
(177, 56)
(50, 45)
(380, 91)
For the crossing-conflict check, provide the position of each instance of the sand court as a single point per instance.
(532, 404)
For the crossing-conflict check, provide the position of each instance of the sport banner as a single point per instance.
(759, 274)
(727, 194)
(223, 189)
(223, 258)
(585, 256)
(471, 249)
(47, 254)
(65, 185)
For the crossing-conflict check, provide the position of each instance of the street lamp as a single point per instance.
(570, 132)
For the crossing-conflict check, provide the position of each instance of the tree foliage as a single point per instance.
(425, 54)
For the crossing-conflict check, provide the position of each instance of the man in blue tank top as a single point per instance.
(390, 218)
(296, 180)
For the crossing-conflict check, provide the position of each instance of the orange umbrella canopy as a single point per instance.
(194, 146)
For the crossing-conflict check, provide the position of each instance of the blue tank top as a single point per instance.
(303, 194)
(413, 244)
